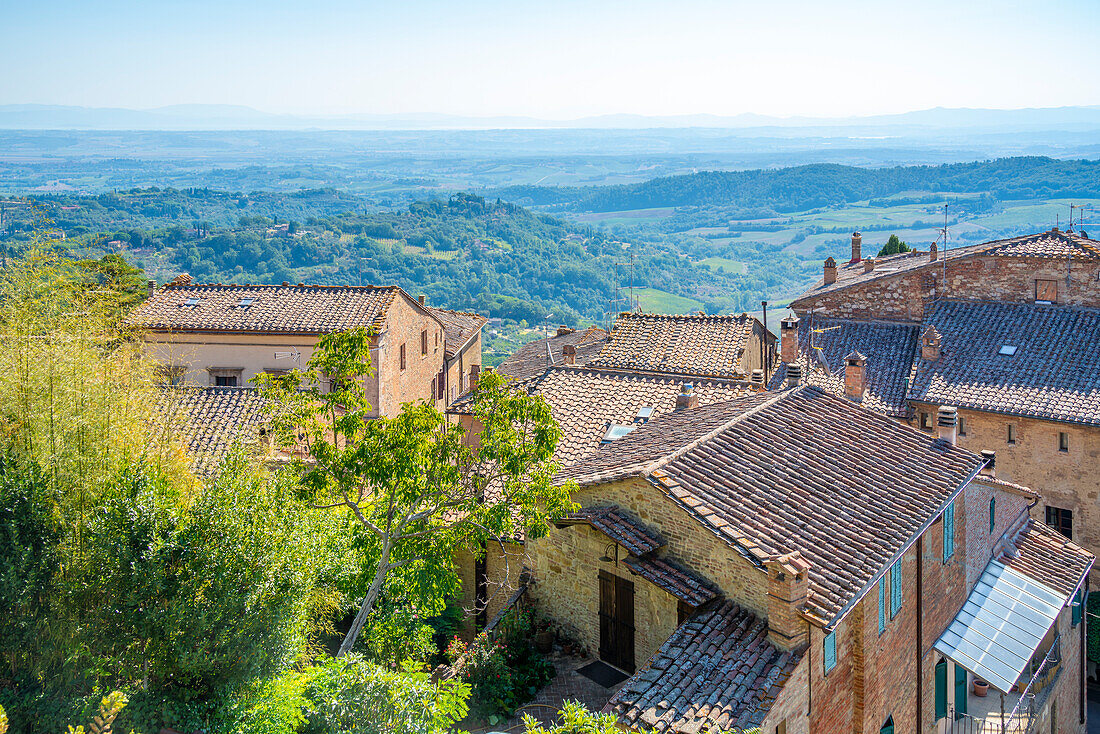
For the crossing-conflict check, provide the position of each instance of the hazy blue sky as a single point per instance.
(555, 58)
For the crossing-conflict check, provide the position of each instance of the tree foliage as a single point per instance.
(894, 246)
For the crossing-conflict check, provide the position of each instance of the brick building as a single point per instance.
(1006, 331)
(223, 335)
(791, 561)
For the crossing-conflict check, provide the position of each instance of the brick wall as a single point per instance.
(980, 541)
(404, 323)
(792, 703)
(982, 277)
(890, 658)
(1066, 695)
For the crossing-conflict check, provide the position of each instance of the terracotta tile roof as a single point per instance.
(617, 526)
(644, 450)
(585, 401)
(1053, 375)
(707, 346)
(530, 360)
(1045, 555)
(290, 309)
(845, 486)
(212, 419)
(888, 346)
(672, 578)
(458, 328)
(1049, 244)
(716, 673)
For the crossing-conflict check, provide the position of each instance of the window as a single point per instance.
(192, 302)
(245, 302)
(992, 513)
(424, 342)
(225, 376)
(1061, 520)
(888, 726)
(174, 375)
(403, 363)
(895, 589)
(225, 380)
(1063, 442)
(435, 394)
(949, 532)
(941, 689)
(926, 421)
(684, 612)
(1008, 350)
(830, 651)
(962, 426)
(1012, 433)
(1078, 606)
(882, 605)
(1046, 291)
(781, 727)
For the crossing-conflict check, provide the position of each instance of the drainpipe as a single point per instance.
(920, 632)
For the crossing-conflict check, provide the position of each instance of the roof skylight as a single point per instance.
(245, 302)
(644, 414)
(192, 302)
(616, 431)
(1007, 350)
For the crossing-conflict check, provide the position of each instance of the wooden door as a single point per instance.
(617, 621)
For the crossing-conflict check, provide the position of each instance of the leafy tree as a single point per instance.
(414, 482)
(574, 718)
(894, 246)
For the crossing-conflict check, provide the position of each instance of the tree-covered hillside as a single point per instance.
(807, 187)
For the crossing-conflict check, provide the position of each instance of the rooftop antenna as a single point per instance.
(546, 334)
(631, 304)
(293, 355)
(944, 246)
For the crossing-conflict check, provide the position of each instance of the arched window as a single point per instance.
(992, 513)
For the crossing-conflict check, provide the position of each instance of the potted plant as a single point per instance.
(981, 688)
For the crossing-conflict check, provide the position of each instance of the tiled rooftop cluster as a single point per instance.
(458, 328)
(613, 523)
(704, 346)
(717, 672)
(1042, 553)
(213, 419)
(534, 357)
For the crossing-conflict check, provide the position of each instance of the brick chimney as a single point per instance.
(420, 299)
(687, 398)
(569, 353)
(151, 286)
(868, 264)
(788, 339)
(990, 468)
(185, 279)
(947, 421)
(855, 368)
(757, 379)
(830, 271)
(788, 586)
(857, 246)
(933, 252)
(930, 344)
(794, 375)
(563, 330)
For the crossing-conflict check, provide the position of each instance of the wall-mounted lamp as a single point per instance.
(606, 557)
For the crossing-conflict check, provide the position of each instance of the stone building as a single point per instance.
(223, 335)
(566, 346)
(791, 561)
(1006, 331)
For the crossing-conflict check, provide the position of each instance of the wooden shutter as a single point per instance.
(992, 513)
(607, 615)
(949, 532)
(882, 604)
(624, 613)
(1046, 290)
(888, 727)
(941, 689)
(960, 691)
(830, 651)
(1078, 606)
(895, 589)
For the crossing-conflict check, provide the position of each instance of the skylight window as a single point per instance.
(1007, 350)
(245, 302)
(616, 431)
(644, 414)
(192, 302)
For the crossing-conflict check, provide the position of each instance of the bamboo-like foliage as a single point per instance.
(109, 709)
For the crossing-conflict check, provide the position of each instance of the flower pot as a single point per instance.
(544, 641)
(568, 648)
(981, 688)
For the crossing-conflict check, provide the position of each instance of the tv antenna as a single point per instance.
(631, 305)
(293, 355)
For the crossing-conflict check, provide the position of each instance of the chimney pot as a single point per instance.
(687, 398)
(857, 246)
(788, 339)
(868, 264)
(757, 379)
(930, 344)
(563, 330)
(151, 285)
(830, 271)
(947, 419)
(788, 587)
(569, 353)
(794, 375)
(933, 252)
(420, 299)
(855, 367)
(990, 468)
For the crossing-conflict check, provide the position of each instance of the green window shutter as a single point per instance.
(830, 651)
(1078, 606)
(882, 604)
(992, 513)
(941, 689)
(888, 727)
(895, 589)
(949, 532)
(960, 691)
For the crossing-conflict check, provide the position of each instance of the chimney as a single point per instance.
(563, 330)
(830, 271)
(182, 279)
(855, 367)
(757, 379)
(930, 344)
(948, 423)
(868, 264)
(687, 398)
(857, 246)
(933, 252)
(475, 375)
(788, 339)
(151, 285)
(420, 299)
(794, 375)
(788, 586)
(569, 353)
(990, 468)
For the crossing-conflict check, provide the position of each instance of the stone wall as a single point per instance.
(904, 296)
(404, 324)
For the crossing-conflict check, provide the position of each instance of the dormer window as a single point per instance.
(615, 431)
(245, 302)
(1007, 350)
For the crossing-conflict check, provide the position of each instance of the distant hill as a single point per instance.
(806, 187)
(237, 117)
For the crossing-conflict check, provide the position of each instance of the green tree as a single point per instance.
(574, 718)
(414, 483)
(894, 246)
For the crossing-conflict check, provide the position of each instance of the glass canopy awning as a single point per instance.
(1003, 623)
